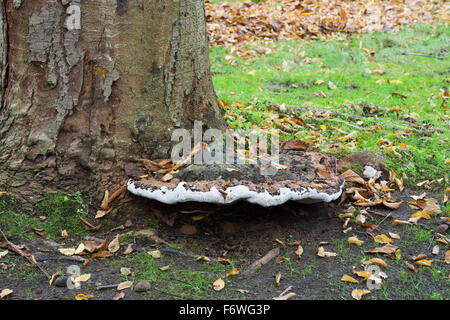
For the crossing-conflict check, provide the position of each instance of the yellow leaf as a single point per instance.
(363, 274)
(400, 222)
(382, 238)
(82, 296)
(422, 214)
(322, 253)
(379, 262)
(124, 285)
(397, 81)
(355, 240)
(347, 278)
(83, 278)
(318, 82)
(359, 293)
(5, 292)
(424, 262)
(204, 258)
(233, 272)
(447, 257)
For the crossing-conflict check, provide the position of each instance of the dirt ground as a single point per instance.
(242, 233)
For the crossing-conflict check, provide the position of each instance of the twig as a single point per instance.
(18, 251)
(285, 291)
(108, 286)
(259, 263)
(420, 55)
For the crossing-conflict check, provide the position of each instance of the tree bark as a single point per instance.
(76, 105)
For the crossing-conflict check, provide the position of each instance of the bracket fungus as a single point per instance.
(302, 176)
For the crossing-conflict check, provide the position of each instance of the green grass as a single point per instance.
(61, 212)
(298, 73)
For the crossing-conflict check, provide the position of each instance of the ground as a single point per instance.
(368, 92)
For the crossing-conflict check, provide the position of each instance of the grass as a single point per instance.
(55, 212)
(351, 76)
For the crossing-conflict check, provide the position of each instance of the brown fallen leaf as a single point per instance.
(394, 235)
(410, 266)
(277, 279)
(89, 226)
(447, 257)
(101, 254)
(294, 145)
(351, 176)
(39, 232)
(419, 257)
(119, 296)
(94, 246)
(392, 205)
(400, 222)
(387, 249)
(325, 254)
(299, 252)
(128, 250)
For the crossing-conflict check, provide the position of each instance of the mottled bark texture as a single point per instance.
(78, 104)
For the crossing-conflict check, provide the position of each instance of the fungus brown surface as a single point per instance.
(302, 176)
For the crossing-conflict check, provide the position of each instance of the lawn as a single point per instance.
(386, 92)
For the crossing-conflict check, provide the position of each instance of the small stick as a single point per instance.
(17, 250)
(285, 291)
(108, 286)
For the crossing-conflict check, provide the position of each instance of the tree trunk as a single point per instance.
(78, 103)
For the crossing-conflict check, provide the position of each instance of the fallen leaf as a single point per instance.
(347, 278)
(277, 279)
(394, 235)
(124, 285)
(424, 262)
(435, 250)
(355, 240)
(299, 252)
(155, 254)
(204, 258)
(351, 176)
(83, 278)
(322, 253)
(114, 245)
(68, 251)
(82, 296)
(64, 234)
(285, 297)
(359, 293)
(5, 292)
(89, 226)
(165, 268)
(379, 262)
(410, 266)
(447, 257)
(223, 261)
(218, 285)
(232, 272)
(94, 246)
(119, 296)
(128, 250)
(419, 257)
(400, 222)
(382, 238)
(3, 253)
(125, 271)
(387, 249)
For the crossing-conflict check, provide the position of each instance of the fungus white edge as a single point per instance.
(181, 194)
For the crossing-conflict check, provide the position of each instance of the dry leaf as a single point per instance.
(82, 296)
(83, 278)
(114, 245)
(88, 226)
(387, 249)
(64, 234)
(204, 258)
(165, 268)
(382, 238)
(277, 279)
(359, 293)
(351, 176)
(94, 246)
(223, 261)
(124, 285)
(347, 278)
(68, 251)
(394, 235)
(435, 250)
(5, 292)
(419, 257)
(125, 271)
(3, 253)
(119, 296)
(379, 262)
(128, 250)
(322, 253)
(285, 297)
(80, 249)
(299, 252)
(218, 285)
(155, 254)
(232, 272)
(400, 222)
(355, 240)
(447, 257)
(410, 266)
(424, 262)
